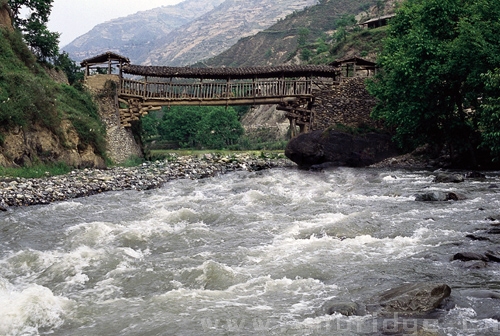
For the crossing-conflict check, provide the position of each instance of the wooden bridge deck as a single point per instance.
(288, 86)
(216, 92)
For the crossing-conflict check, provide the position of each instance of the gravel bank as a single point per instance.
(149, 175)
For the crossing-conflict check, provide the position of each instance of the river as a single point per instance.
(246, 253)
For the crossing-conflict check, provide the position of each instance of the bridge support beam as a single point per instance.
(298, 116)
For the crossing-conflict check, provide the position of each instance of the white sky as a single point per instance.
(73, 18)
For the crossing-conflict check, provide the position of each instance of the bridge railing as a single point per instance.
(216, 90)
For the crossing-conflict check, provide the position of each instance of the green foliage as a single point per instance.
(132, 161)
(218, 128)
(303, 36)
(322, 46)
(433, 61)
(345, 21)
(79, 108)
(14, 54)
(149, 126)
(192, 127)
(28, 96)
(26, 99)
(241, 110)
(305, 54)
(489, 122)
(365, 42)
(247, 143)
(72, 70)
(43, 43)
(26, 92)
(37, 170)
(180, 124)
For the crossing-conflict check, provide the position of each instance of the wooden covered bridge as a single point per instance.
(146, 88)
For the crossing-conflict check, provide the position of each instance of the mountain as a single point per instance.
(185, 33)
(135, 36)
(279, 44)
(218, 30)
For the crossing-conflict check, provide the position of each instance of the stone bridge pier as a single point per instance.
(121, 143)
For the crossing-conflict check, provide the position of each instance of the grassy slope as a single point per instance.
(28, 96)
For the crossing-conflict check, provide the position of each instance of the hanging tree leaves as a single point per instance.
(43, 43)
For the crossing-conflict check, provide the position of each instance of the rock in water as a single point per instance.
(339, 149)
(344, 308)
(413, 299)
(468, 256)
(435, 196)
(448, 178)
(439, 196)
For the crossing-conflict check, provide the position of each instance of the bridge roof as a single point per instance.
(104, 58)
(355, 59)
(232, 73)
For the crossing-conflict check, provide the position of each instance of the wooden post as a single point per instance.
(293, 126)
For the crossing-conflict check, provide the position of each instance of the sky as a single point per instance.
(73, 18)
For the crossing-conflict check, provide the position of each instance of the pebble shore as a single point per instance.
(149, 175)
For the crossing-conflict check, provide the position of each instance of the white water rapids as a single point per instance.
(246, 253)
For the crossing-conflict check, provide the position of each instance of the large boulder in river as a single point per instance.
(339, 149)
(416, 299)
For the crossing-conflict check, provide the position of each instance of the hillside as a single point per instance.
(185, 33)
(219, 29)
(279, 44)
(136, 35)
(42, 120)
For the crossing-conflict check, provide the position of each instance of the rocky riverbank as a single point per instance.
(149, 175)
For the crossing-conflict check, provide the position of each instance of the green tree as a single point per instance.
(305, 54)
(346, 20)
(431, 84)
(219, 128)
(303, 36)
(342, 25)
(43, 43)
(489, 122)
(204, 126)
(150, 126)
(71, 69)
(322, 46)
(180, 124)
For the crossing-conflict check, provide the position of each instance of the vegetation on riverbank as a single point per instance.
(213, 128)
(29, 96)
(36, 171)
(437, 86)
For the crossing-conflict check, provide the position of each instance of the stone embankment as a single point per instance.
(150, 175)
(347, 103)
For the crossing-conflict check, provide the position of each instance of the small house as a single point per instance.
(108, 58)
(355, 67)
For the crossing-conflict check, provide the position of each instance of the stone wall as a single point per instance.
(347, 103)
(121, 144)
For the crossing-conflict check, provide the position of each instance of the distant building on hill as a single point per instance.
(377, 22)
(355, 67)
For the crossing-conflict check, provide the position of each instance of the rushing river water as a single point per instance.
(245, 253)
